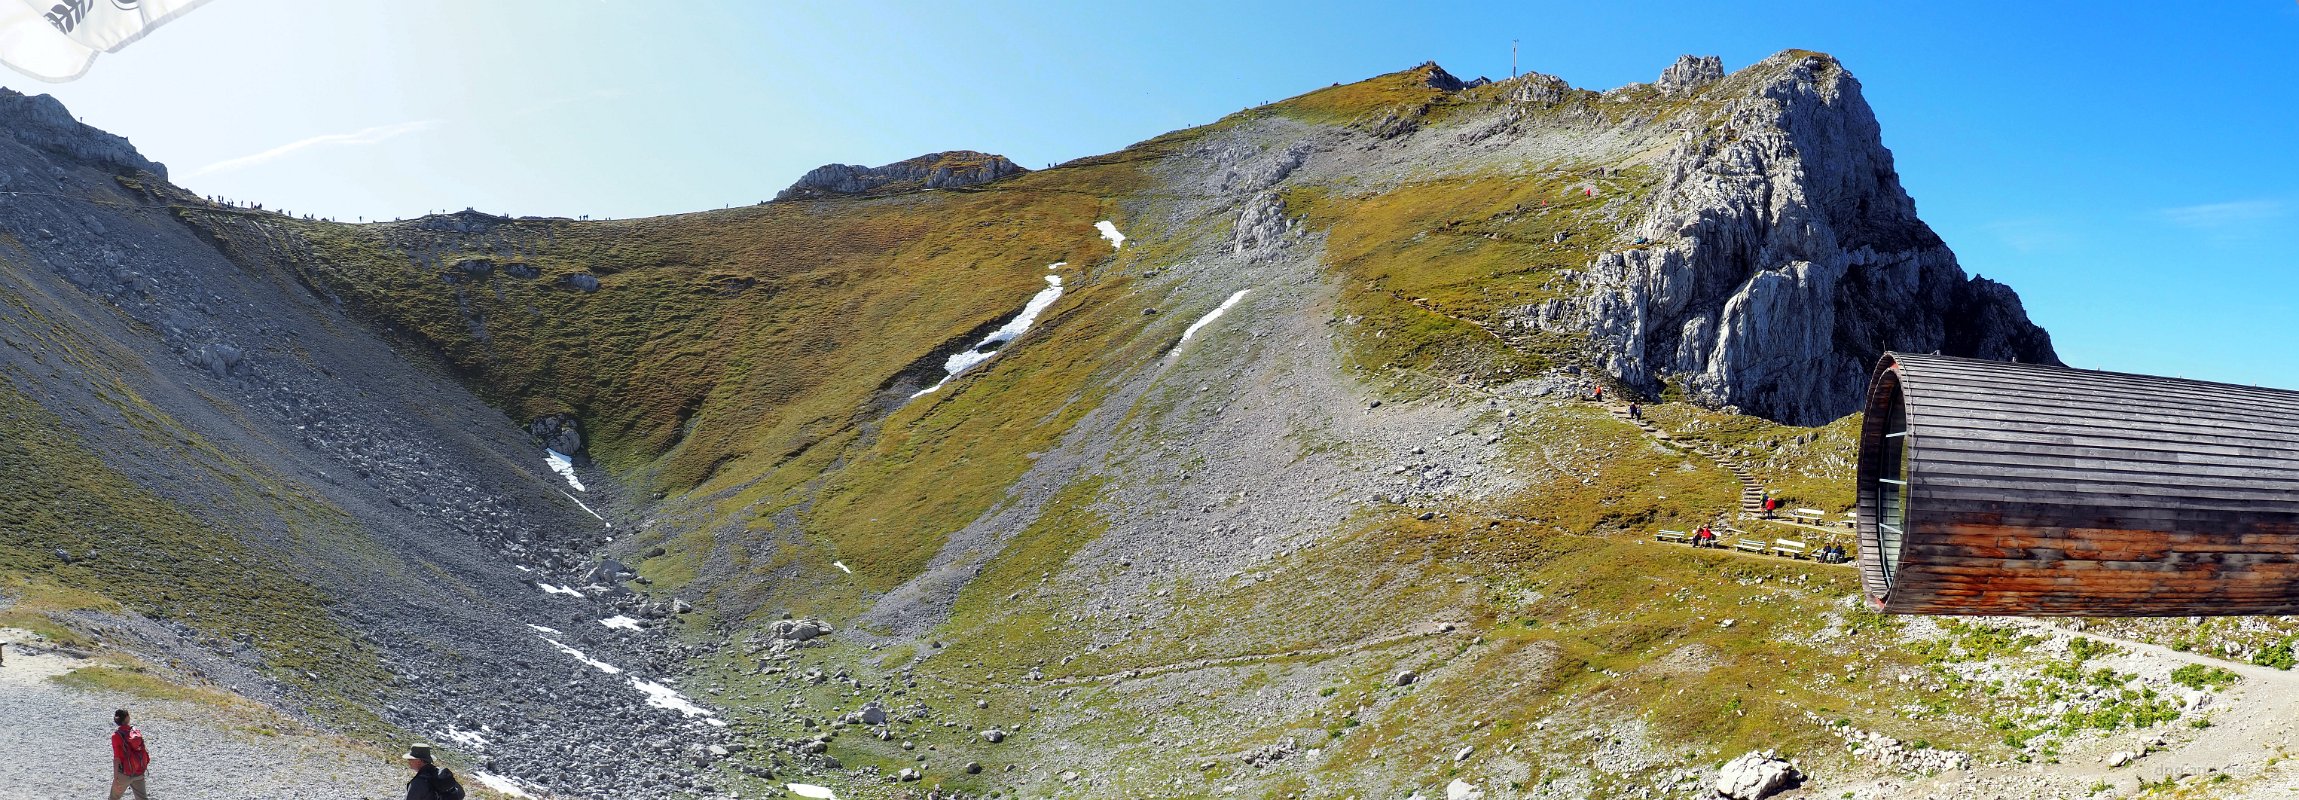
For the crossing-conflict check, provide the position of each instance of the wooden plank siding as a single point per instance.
(2039, 490)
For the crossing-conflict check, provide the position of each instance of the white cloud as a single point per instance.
(2033, 235)
(363, 136)
(2221, 216)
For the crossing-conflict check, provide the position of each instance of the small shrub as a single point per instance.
(2085, 649)
(2277, 655)
(2198, 676)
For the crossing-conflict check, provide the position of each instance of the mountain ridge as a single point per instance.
(1289, 489)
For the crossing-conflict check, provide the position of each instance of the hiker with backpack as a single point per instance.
(431, 781)
(129, 758)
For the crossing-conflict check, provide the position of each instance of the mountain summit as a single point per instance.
(945, 170)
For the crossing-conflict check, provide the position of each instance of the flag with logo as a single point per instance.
(56, 40)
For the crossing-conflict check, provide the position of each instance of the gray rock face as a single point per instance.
(942, 170)
(560, 432)
(1755, 775)
(1784, 258)
(41, 122)
(1689, 73)
(1261, 225)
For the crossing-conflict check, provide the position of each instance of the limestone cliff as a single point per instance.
(1783, 257)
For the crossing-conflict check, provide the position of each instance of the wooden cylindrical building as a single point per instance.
(1994, 488)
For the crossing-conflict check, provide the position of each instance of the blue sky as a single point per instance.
(2133, 172)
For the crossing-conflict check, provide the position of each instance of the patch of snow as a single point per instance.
(989, 346)
(508, 786)
(811, 790)
(565, 466)
(551, 631)
(1213, 315)
(661, 696)
(620, 621)
(586, 509)
(1110, 232)
(549, 589)
(578, 654)
(841, 565)
(470, 739)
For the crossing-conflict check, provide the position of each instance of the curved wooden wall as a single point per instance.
(2042, 490)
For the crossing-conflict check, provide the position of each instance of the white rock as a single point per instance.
(1462, 790)
(1755, 775)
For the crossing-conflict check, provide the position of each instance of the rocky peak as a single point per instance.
(943, 170)
(465, 221)
(1441, 80)
(1689, 73)
(1534, 87)
(40, 121)
(1782, 257)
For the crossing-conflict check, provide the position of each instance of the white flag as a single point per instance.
(56, 40)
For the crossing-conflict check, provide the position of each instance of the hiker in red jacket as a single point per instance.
(129, 758)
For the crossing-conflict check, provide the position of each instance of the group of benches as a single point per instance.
(1785, 548)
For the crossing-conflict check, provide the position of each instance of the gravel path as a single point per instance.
(55, 739)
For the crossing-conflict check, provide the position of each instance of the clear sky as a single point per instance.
(2133, 172)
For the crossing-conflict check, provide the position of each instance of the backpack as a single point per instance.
(134, 759)
(445, 787)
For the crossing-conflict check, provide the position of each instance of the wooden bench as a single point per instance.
(1788, 547)
(1750, 545)
(1809, 514)
(1679, 537)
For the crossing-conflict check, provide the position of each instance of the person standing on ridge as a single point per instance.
(129, 758)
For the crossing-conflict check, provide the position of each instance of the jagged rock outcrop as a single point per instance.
(1440, 79)
(1689, 73)
(943, 170)
(42, 122)
(1784, 258)
(1261, 225)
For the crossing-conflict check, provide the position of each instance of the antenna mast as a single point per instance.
(1512, 58)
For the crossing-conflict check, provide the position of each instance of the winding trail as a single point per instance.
(1417, 631)
(2254, 731)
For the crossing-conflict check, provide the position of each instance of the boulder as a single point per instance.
(1755, 775)
(798, 630)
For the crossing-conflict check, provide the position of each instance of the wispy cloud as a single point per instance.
(2223, 216)
(2032, 235)
(363, 136)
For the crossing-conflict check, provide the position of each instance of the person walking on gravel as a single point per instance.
(129, 758)
(430, 782)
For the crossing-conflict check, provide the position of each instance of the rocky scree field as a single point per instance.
(1248, 460)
